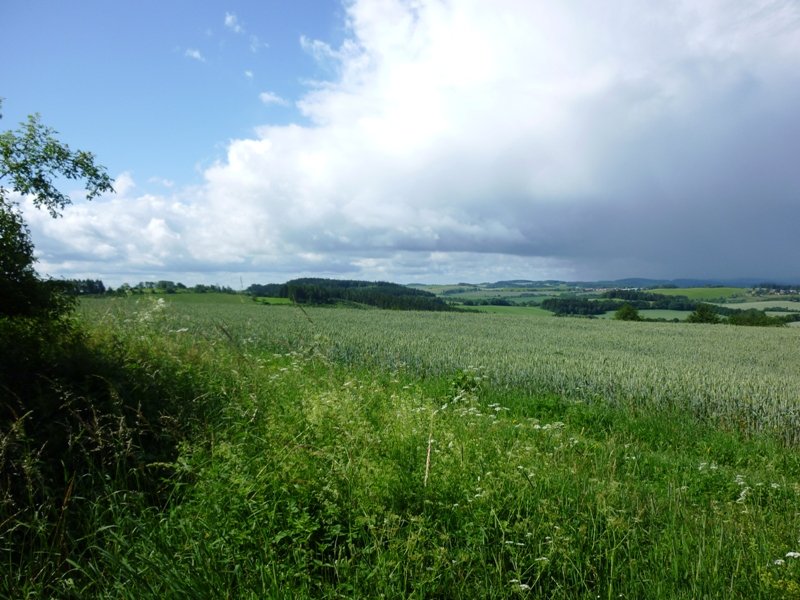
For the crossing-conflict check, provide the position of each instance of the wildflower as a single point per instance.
(519, 585)
(793, 555)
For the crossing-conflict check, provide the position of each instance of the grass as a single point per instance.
(274, 301)
(324, 475)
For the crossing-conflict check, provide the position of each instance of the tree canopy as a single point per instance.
(32, 159)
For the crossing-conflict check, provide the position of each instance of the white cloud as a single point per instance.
(248, 74)
(457, 140)
(124, 183)
(272, 98)
(194, 54)
(232, 23)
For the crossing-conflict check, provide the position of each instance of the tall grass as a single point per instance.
(87, 421)
(319, 477)
(324, 479)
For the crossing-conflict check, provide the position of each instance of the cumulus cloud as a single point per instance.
(462, 140)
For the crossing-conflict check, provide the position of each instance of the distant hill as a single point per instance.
(380, 294)
(628, 282)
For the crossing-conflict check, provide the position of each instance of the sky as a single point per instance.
(434, 141)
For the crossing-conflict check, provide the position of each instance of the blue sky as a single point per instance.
(417, 140)
(158, 89)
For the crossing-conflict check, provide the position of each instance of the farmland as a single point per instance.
(363, 453)
(745, 377)
(703, 293)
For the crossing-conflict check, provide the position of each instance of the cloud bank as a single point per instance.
(477, 141)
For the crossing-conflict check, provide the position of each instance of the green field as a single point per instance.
(331, 452)
(766, 305)
(703, 293)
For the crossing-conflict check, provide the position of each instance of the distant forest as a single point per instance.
(613, 299)
(380, 294)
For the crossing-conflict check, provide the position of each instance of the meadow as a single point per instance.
(704, 293)
(342, 453)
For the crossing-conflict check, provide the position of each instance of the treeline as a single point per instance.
(380, 294)
(95, 287)
(651, 300)
(85, 287)
(571, 305)
(636, 300)
(613, 299)
(488, 302)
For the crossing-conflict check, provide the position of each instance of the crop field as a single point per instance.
(766, 305)
(703, 293)
(344, 453)
(747, 377)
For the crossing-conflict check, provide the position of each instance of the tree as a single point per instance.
(626, 312)
(704, 313)
(31, 159)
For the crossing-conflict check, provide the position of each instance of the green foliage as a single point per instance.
(85, 420)
(651, 301)
(626, 312)
(30, 159)
(570, 305)
(704, 313)
(334, 291)
(755, 318)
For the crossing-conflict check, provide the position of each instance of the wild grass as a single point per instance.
(322, 476)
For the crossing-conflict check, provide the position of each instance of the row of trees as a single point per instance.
(571, 305)
(708, 313)
(651, 300)
(380, 294)
(95, 287)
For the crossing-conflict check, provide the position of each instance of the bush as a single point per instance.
(626, 312)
